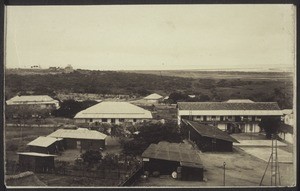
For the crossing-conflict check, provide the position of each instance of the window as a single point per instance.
(221, 118)
(121, 120)
(91, 120)
(134, 120)
(113, 121)
(104, 120)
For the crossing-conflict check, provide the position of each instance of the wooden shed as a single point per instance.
(168, 157)
(207, 138)
(81, 138)
(37, 162)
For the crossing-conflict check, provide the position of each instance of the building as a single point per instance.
(33, 103)
(153, 98)
(81, 138)
(68, 69)
(286, 132)
(37, 162)
(207, 138)
(47, 145)
(288, 116)
(168, 157)
(231, 115)
(114, 113)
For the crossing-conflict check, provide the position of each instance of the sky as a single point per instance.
(151, 37)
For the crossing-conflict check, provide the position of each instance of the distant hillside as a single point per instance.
(217, 86)
(252, 75)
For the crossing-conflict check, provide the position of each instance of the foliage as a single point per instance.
(270, 125)
(91, 157)
(70, 108)
(219, 88)
(178, 96)
(151, 133)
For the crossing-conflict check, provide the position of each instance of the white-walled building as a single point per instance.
(42, 101)
(114, 113)
(244, 114)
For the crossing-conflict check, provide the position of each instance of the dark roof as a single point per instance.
(183, 153)
(227, 106)
(210, 131)
(285, 128)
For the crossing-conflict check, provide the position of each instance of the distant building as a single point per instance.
(33, 102)
(35, 67)
(68, 69)
(153, 98)
(47, 145)
(288, 116)
(207, 138)
(36, 162)
(243, 115)
(114, 113)
(81, 138)
(166, 158)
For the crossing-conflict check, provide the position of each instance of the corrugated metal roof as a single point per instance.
(153, 96)
(35, 154)
(114, 110)
(31, 99)
(210, 131)
(80, 133)
(227, 106)
(43, 141)
(180, 152)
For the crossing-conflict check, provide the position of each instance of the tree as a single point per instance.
(151, 133)
(270, 125)
(178, 96)
(91, 157)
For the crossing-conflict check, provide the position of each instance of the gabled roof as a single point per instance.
(114, 110)
(153, 96)
(80, 133)
(43, 141)
(227, 106)
(183, 153)
(210, 131)
(31, 99)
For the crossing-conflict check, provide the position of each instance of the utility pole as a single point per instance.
(224, 164)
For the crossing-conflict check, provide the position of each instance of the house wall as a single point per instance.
(206, 143)
(165, 167)
(84, 144)
(109, 120)
(36, 164)
(47, 150)
(247, 124)
(192, 174)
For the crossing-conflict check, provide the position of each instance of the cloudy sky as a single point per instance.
(151, 37)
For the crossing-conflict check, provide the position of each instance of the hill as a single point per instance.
(215, 86)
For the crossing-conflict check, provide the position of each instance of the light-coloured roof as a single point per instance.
(153, 96)
(80, 133)
(31, 99)
(43, 141)
(114, 110)
(239, 101)
(35, 154)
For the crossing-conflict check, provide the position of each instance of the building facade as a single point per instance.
(232, 115)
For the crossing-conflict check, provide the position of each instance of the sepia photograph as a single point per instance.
(150, 96)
